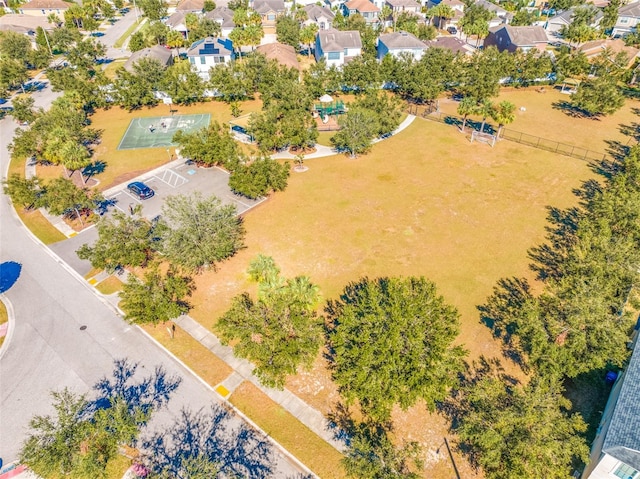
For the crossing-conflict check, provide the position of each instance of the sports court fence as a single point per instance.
(511, 135)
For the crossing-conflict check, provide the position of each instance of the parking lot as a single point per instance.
(177, 178)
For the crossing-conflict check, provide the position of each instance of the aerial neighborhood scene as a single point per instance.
(367, 239)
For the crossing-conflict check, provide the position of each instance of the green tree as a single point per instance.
(442, 12)
(288, 31)
(259, 178)
(372, 455)
(25, 192)
(523, 17)
(503, 113)
(182, 84)
(387, 108)
(23, 108)
(308, 36)
(201, 231)
(210, 146)
(357, 129)
(13, 73)
(157, 298)
(280, 332)
(514, 431)
(390, 341)
(467, 106)
(598, 96)
(15, 46)
(483, 71)
(137, 41)
(154, 10)
(135, 89)
(610, 15)
(63, 197)
(122, 241)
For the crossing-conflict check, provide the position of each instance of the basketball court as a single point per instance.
(158, 131)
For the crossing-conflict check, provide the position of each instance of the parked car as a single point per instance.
(139, 189)
(452, 30)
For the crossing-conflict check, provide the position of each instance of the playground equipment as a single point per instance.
(333, 108)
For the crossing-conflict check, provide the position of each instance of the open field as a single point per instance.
(462, 215)
(541, 118)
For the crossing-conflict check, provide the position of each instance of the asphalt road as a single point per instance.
(64, 335)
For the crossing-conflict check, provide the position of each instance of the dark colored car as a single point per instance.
(452, 30)
(139, 189)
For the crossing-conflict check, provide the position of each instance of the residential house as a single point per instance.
(451, 43)
(159, 53)
(269, 11)
(284, 54)
(193, 6)
(400, 6)
(210, 52)
(368, 10)
(25, 24)
(224, 16)
(398, 43)
(321, 16)
(615, 452)
(509, 38)
(595, 48)
(178, 23)
(628, 19)
(44, 8)
(458, 12)
(337, 47)
(500, 15)
(556, 23)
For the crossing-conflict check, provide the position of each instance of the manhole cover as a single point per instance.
(83, 327)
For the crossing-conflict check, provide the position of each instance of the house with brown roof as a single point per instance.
(338, 47)
(269, 10)
(451, 43)
(611, 47)
(158, 53)
(509, 38)
(398, 43)
(320, 16)
(368, 10)
(187, 6)
(224, 17)
(44, 8)
(284, 54)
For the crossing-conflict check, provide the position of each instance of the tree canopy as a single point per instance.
(390, 342)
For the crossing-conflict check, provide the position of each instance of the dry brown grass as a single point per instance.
(296, 438)
(202, 361)
(542, 119)
(426, 202)
(110, 285)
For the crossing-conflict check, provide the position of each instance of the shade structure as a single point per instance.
(326, 99)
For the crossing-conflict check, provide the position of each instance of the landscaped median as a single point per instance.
(319, 456)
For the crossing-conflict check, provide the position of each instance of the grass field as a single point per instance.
(541, 118)
(462, 215)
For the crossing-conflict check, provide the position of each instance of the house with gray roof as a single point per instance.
(508, 38)
(321, 16)
(399, 6)
(25, 24)
(210, 52)
(562, 20)
(269, 10)
(224, 17)
(615, 453)
(628, 19)
(338, 47)
(500, 15)
(177, 22)
(399, 43)
(194, 6)
(158, 53)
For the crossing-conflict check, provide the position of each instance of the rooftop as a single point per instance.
(402, 40)
(190, 6)
(283, 54)
(314, 12)
(17, 22)
(361, 6)
(44, 4)
(156, 52)
(523, 36)
(211, 46)
(630, 10)
(335, 40)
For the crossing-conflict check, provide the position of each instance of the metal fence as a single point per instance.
(512, 135)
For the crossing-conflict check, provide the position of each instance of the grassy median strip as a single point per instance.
(110, 285)
(120, 41)
(40, 226)
(202, 361)
(294, 436)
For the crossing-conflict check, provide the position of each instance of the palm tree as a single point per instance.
(503, 113)
(385, 13)
(304, 291)
(485, 108)
(443, 12)
(467, 106)
(74, 157)
(308, 35)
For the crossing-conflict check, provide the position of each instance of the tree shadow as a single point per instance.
(148, 394)
(209, 438)
(95, 168)
(102, 207)
(569, 109)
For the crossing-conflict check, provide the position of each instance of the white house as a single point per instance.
(321, 16)
(628, 19)
(210, 52)
(177, 22)
(337, 47)
(615, 453)
(556, 23)
(400, 42)
(224, 17)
